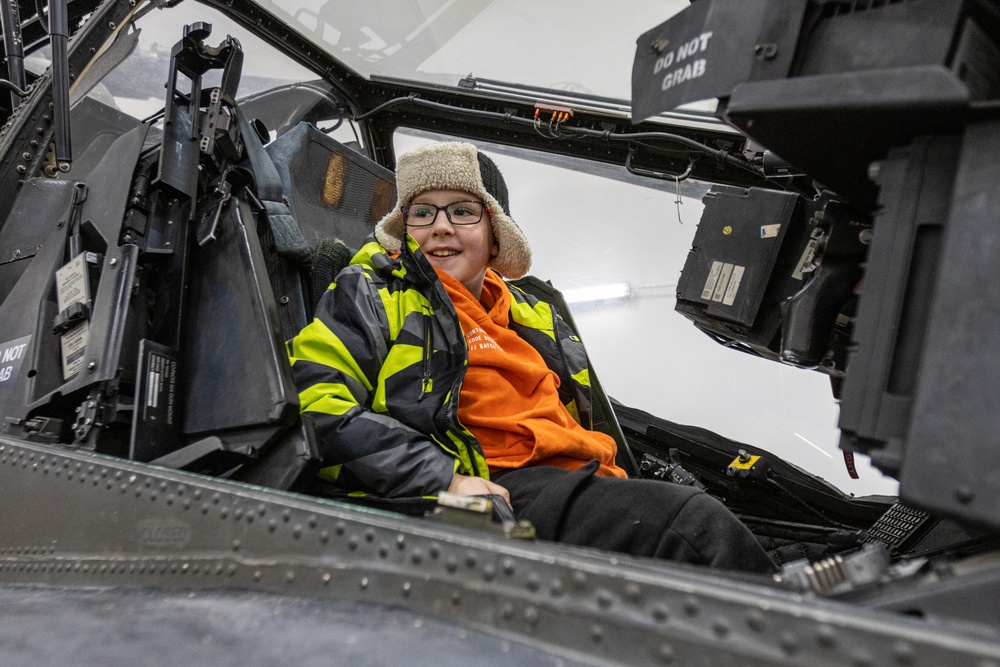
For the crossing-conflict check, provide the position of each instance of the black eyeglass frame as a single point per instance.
(437, 209)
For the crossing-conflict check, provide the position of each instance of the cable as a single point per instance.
(334, 127)
(564, 132)
(12, 87)
(385, 105)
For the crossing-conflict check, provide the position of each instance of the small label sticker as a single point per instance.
(720, 287)
(71, 283)
(734, 286)
(713, 278)
(769, 231)
(806, 259)
(74, 346)
(161, 389)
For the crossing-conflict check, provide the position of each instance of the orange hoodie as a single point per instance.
(509, 399)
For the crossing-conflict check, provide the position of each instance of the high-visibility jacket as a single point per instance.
(380, 368)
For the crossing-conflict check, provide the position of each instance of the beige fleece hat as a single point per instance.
(457, 166)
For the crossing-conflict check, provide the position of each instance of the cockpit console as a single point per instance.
(878, 268)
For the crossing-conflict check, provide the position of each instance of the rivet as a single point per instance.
(660, 613)
(352, 543)
(666, 653)
(531, 615)
(238, 513)
(451, 564)
(364, 583)
(508, 566)
(456, 598)
(290, 576)
(789, 642)
(369, 535)
(406, 588)
(257, 575)
(596, 633)
(902, 653)
(326, 578)
(286, 516)
(470, 559)
(312, 521)
(489, 572)
(862, 660)
(383, 551)
(826, 636)
(557, 587)
(340, 528)
(633, 592)
(579, 580)
(416, 556)
(324, 535)
(533, 582)
(236, 545)
(272, 525)
(297, 531)
(964, 495)
(720, 627)
(691, 607)
(604, 600)
(755, 621)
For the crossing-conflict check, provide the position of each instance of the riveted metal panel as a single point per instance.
(79, 519)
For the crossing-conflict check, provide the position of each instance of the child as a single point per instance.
(424, 371)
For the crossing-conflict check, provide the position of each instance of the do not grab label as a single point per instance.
(12, 354)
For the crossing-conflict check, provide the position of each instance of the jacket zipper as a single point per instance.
(425, 381)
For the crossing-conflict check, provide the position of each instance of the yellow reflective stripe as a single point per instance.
(331, 398)
(458, 446)
(318, 344)
(365, 253)
(539, 317)
(574, 411)
(582, 378)
(330, 473)
(398, 305)
(400, 358)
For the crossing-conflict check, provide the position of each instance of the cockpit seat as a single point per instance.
(335, 195)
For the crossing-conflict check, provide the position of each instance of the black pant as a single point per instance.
(638, 517)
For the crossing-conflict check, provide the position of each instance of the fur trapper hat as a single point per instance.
(457, 166)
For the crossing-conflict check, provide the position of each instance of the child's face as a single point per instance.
(461, 251)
